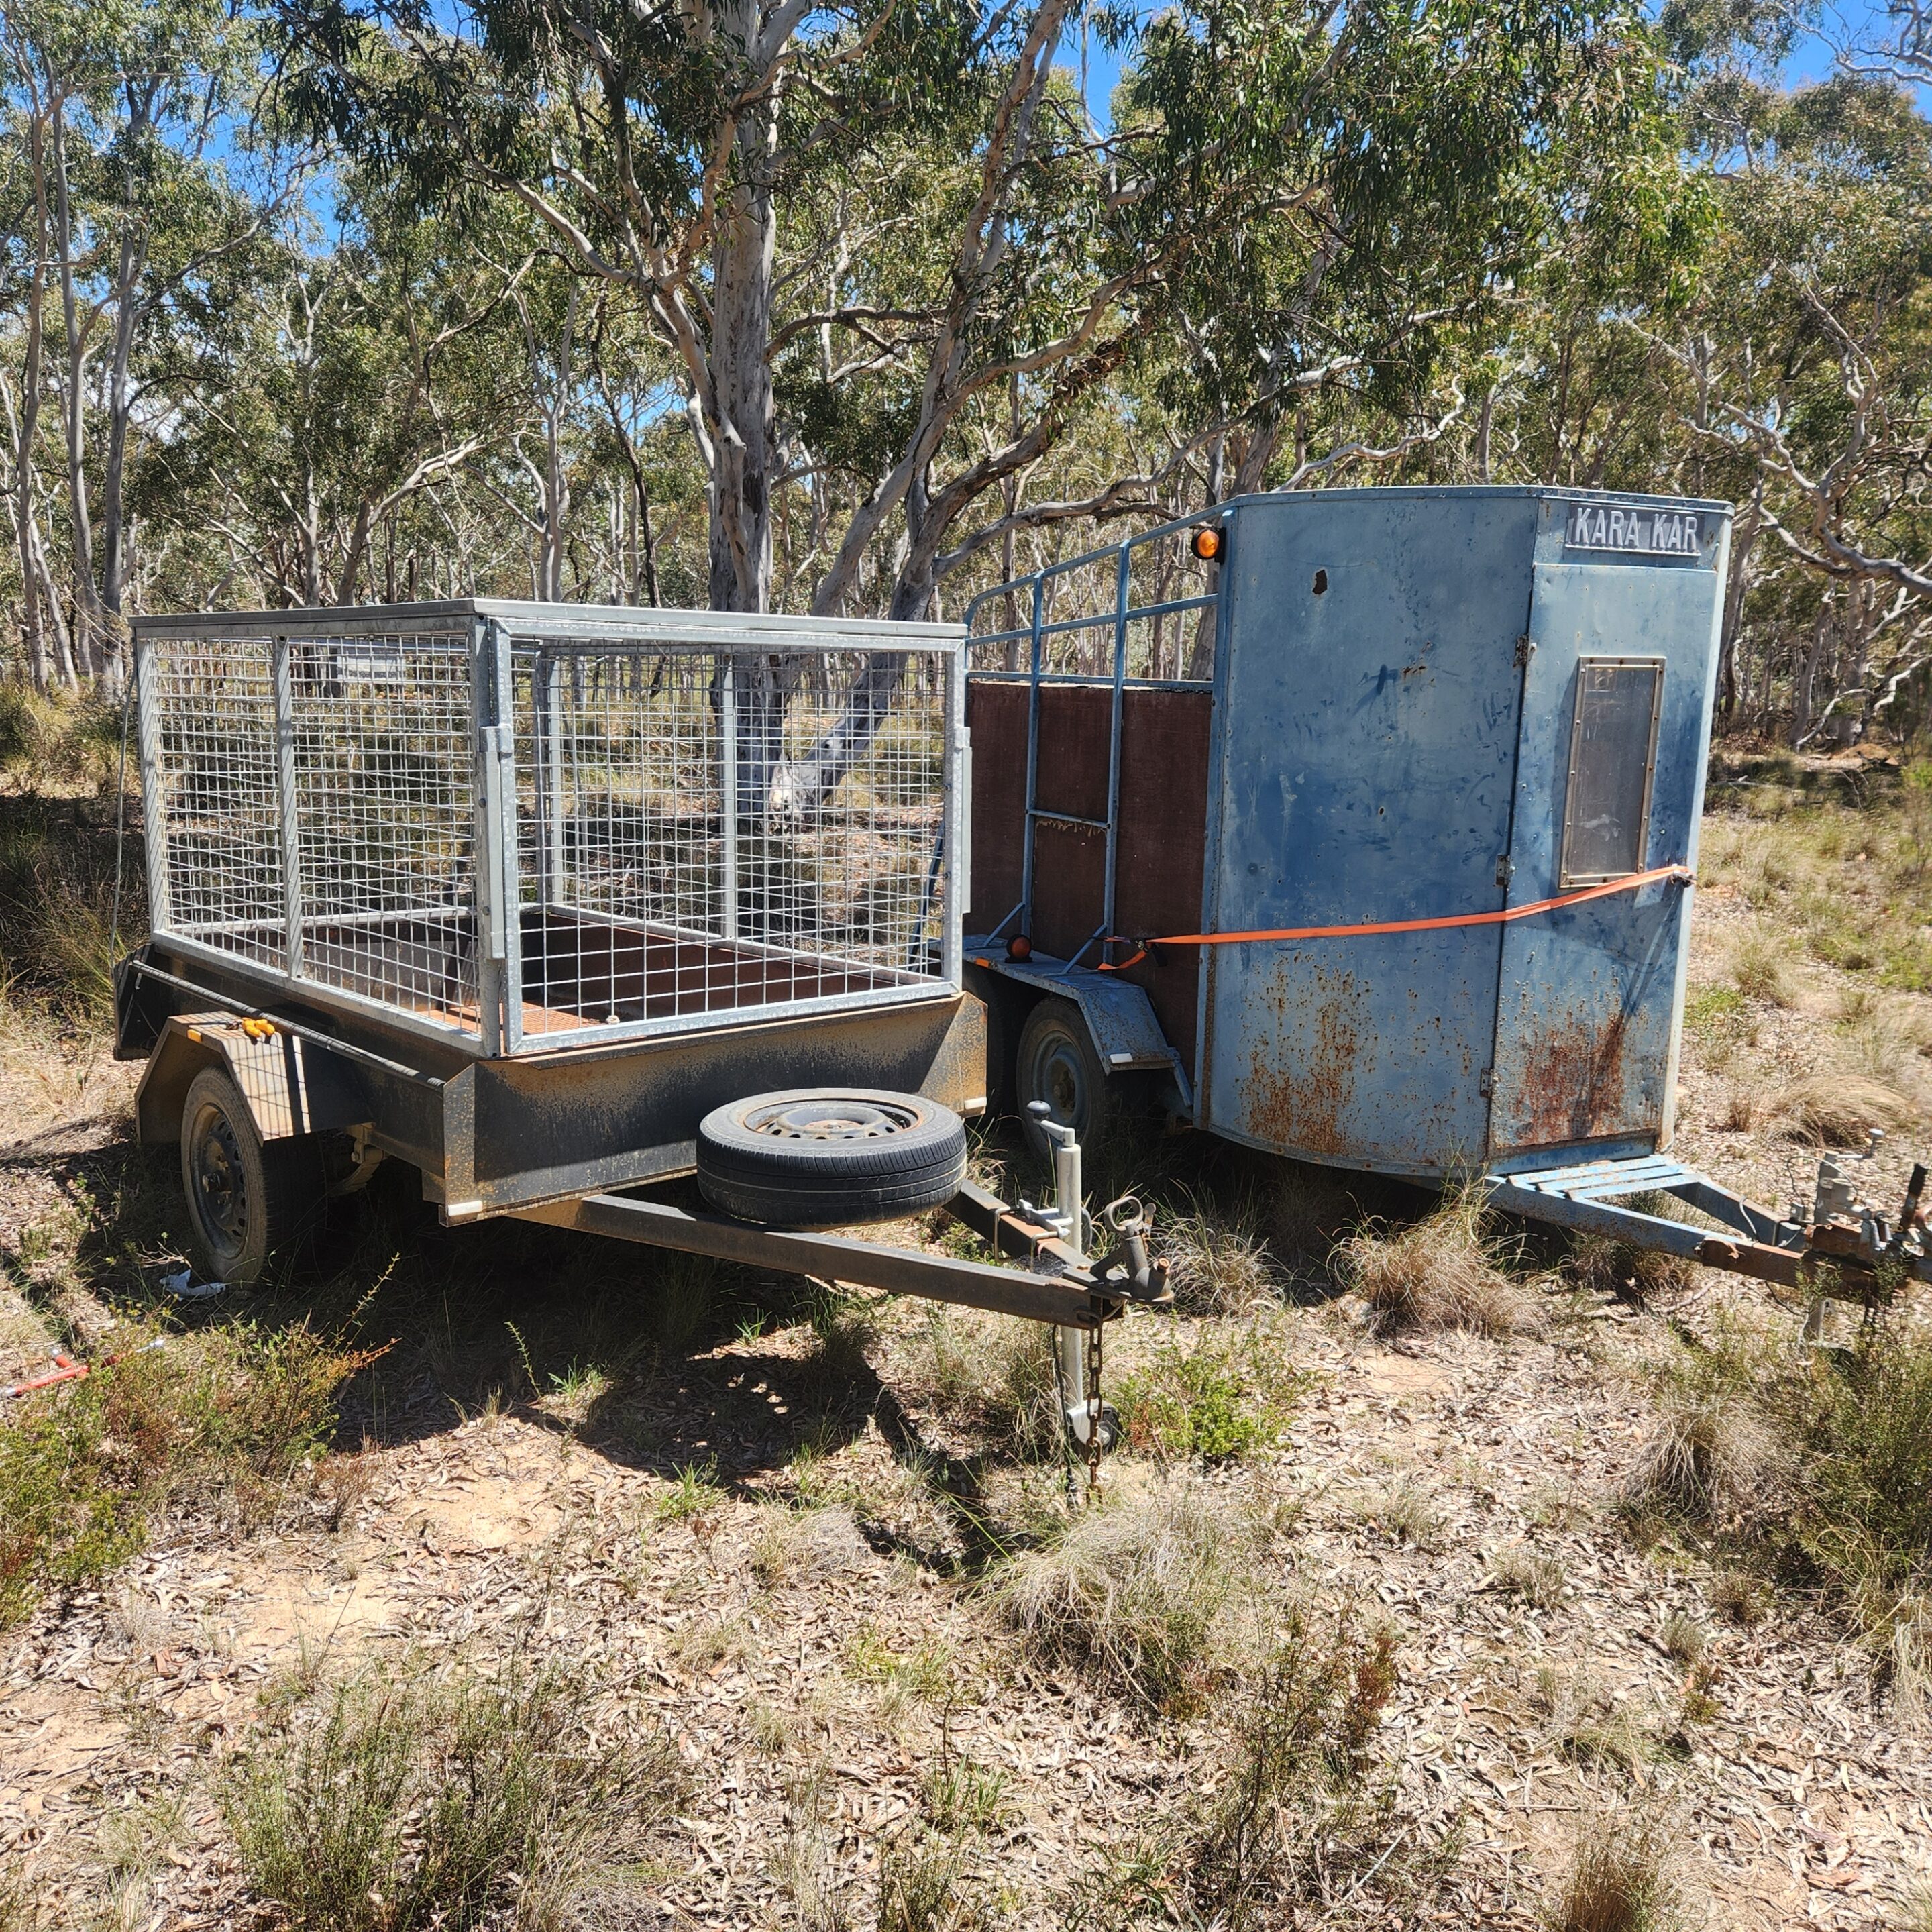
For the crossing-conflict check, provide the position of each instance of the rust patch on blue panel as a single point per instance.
(1572, 1080)
(1299, 1087)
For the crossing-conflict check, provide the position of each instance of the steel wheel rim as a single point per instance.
(830, 1118)
(1060, 1079)
(220, 1192)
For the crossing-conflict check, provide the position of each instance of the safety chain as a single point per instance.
(1093, 1412)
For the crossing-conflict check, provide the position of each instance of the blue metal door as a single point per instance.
(1367, 693)
(1609, 781)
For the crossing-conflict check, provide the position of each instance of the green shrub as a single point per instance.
(1225, 1398)
(1296, 1816)
(1863, 1425)
(231, 1415)
(62, 1518)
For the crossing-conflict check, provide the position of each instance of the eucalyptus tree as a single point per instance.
(1805, 375)
(1310, 184)
(122, 104)
(364, 374)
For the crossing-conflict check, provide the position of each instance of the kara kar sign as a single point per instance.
(1632, 531)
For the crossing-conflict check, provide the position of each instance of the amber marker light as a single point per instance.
(1207, 544)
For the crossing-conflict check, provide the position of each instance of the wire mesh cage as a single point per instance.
(538, 826)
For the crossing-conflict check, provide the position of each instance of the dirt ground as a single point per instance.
(812, 1639)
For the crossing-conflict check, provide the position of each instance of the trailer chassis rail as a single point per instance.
(1059, 1288)
(1819, 1256)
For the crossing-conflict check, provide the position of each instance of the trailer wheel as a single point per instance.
(1057, 1063)
(830, 1157)
(248, 1200)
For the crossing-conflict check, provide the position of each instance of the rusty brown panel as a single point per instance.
(996, 715)
(1572, 1086)
(578, 971)
(1298, 1090)
(1163, 812)
(1163, 847)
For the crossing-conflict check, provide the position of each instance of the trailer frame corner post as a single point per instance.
(498, 1014)
(956, 824)
(153, 804)
(1032, 754)
(1123, 588)
(510, 896)
(727, 792)
(288, 800)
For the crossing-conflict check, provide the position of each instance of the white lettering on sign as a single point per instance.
(1633, 531)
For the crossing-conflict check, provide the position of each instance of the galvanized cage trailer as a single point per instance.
(1440, 754)
(524, 894)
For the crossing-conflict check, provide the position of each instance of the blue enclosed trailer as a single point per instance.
(1380, 730)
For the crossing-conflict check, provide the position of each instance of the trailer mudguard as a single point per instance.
(293, 1086)
(1120, 1017)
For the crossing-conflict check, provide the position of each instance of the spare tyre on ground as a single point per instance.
(830, 1156)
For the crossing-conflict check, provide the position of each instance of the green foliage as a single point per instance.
(231, 1415)
(61, 1522)
(1225, 1397)
(693, 1493)
(1864, 1424)
(1295, 1810)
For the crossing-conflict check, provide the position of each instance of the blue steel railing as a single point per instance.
(1037, 633)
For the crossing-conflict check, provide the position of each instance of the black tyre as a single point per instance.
(249, 1201)
(1055, 1062)
(829, 1157)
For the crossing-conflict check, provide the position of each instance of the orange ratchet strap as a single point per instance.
(1682, 874)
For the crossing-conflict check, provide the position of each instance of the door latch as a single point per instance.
(1505, 869)
(1486, 1082)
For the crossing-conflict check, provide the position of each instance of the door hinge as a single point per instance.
(1505, 869)
(1525, 647)
(1485, 1081)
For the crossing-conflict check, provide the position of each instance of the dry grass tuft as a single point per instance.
(1520, 1572)
(1152, 1593)
(1708, 1459)
(1435, 1273)
(401, 1799)
(1738, 1597)
(1761, 970)
(1218, 1261)
(924, 1887)
(1684, 1637)
(1840, 1109)
(1619, 1879)
(1402, 1511)
(1601, 1263)
(990, 1375)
